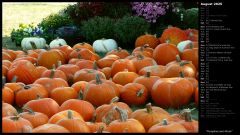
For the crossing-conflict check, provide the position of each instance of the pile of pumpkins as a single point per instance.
(73, 89)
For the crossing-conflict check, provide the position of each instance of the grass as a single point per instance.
(14, 13)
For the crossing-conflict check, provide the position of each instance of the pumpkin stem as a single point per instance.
(119, 49)
(140, 92)
(38, 96)
(98, 79)
(114, 100)
(52, 73)
(47, 47)
(59, 63)
(27, 87)
(148, 74)
(15, 117)
(123, 114)
(80, 95)
(191, 44)
(164, 122)
(54, 67)
(178, 59)
(28, 109)
(3, 81)
(14, 79)
(70, 114)
(60, 44)
(184, 63)
(149, 108)
(108, 118)
(167, 41)
(79, 56)
(94, 117)
(95, 67)
(26, 128)
(181, 74)
(33, 45)
(140, 57)
(100, 129)
(186, 114)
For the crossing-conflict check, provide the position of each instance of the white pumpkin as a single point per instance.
(104, 45)
(39, 43)
(57, 42)
(181, 45)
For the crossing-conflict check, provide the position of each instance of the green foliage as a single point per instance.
(24, 30)
(55, 21)
(128, 29)
(97, 28)
(190, 18)
(116, 9)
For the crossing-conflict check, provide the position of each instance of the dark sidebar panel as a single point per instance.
(219, 67)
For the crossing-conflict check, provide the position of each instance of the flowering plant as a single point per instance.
(151, 11)
(25, 30)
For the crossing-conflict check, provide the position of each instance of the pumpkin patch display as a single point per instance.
(100, 87)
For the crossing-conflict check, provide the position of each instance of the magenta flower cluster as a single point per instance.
(151, 11)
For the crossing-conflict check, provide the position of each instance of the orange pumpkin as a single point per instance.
(122, 53)
(57, 74)
(6, 56)
(175, 67)
(107, 72)
(40, 70)
(50, 128)
(167, 127)
(106, 112)
(84, 108)
(65, 49)
(156, 70)
(147, 81)
(134, 94)
(83, 45)
(107, 61)
(192, 34)
(24, 70)
(150, 115)
(191, 55)
(99, 92)
(74, 125)
(69, 70)
(121, 65)
(85, 64)
(64, 114)
(84, 54)
(8, 110)
(172, 92)
(7, 95)
(14, 124)
(6, 63)
(36, 118)
(123, 124)
(165, 53)
(50, 58)
(87, 75)
(29, 92)
(79, 86)
(51, 83)
(144, 50)
(190, 124)
(149, 39)
(141, 62)
(124, 77)
(4, 70)
(196, 96)
(47, 106)
(173, 35)
(28, 58)
(95, 126)
(62, 94)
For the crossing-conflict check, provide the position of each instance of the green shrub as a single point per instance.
(128, 29)
(116, 9)
(97, 28)
(190, 18)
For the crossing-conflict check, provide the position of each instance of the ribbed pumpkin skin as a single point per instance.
(180, 89)
(191, 55)
(7, 95)
(62, 94)
(174, 35)
(8, 110)
(124, 77)
(36, 119)
(172, 127)
(50, 128)
(156, 70)
(149, 39)
(24, 70)
(14, 126)
(30, 92)
(87, 75)
(122, 53)
(74, 125)
(63, 115)
(121, 65)
(50, 58)
(132, 126)
(95, 126)
(165, 53)
(48, 106)
(84, 108)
